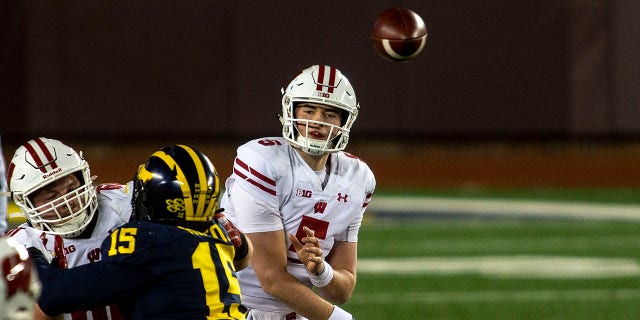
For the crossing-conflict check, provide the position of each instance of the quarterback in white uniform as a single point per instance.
(300, 199)
(66, 214)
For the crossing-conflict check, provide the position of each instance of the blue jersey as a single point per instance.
(152, 271)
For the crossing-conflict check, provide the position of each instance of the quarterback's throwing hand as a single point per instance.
(309, 251)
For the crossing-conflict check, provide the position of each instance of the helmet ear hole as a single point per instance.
(80, 177)
(345, 116)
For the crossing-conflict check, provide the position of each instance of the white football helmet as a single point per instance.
(40, 162)
(323, 85)
(19, 284)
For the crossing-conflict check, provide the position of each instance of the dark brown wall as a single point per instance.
(156, 72)
(122, 69)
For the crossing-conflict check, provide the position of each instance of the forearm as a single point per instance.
(335, 276)
(298, 297)
(341, 287)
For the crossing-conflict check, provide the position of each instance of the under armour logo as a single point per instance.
(341, 197)
(175, 205)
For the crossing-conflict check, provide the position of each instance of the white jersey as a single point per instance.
(292, 195)
(3, 187)
(114, 209)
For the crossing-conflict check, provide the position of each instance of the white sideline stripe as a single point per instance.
(525, 266)
(530, 208)
(496, 296)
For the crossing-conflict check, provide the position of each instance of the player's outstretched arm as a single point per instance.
(97, 277)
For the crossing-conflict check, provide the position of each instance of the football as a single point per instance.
(399, 34)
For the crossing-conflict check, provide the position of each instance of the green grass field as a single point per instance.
(497, 269)
(501, 268)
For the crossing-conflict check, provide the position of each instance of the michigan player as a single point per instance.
(172, 261)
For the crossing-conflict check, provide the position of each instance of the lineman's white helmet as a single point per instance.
(40, 162)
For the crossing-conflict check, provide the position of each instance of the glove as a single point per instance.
(232, 231)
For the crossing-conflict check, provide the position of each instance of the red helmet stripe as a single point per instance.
(322, 82)
(320, 78)
(10, 171)
(36, 157)
(332, 79)
(45, 150)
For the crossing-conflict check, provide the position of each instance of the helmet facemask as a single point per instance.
(326, 86)
(67, 215)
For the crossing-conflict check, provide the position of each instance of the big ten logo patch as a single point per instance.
(304, 193)
(69, 249)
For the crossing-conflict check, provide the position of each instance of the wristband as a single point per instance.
(340, 314)
(322, 279)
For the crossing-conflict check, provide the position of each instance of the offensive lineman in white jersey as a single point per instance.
(3, 188)
(52, 185)
(301, 200)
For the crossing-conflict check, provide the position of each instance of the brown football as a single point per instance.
(399, 34)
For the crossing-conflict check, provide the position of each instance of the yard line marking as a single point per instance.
(519, 266)
(399, 205)
(496, 296)
(509, 245)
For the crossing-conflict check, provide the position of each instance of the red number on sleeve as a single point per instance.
(108, 186)
(269, 142)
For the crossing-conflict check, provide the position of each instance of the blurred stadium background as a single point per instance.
(506, 153)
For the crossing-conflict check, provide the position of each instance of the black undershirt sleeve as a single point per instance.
(84, 287)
